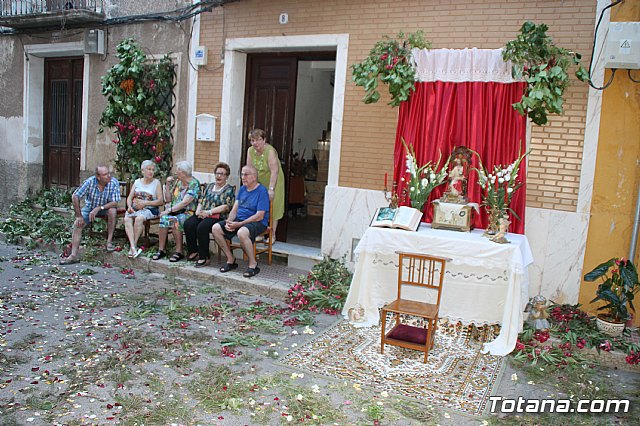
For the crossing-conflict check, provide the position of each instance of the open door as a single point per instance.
(270, 105)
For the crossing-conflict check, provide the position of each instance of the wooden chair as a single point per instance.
(426, 272)
(263, 242)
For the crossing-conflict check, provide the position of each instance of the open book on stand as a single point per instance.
(403, 217)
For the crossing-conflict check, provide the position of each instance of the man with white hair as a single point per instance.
(102, 194)
(249, 218)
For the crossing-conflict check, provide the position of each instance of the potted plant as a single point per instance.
(618, 288)
(544, 66)
(389, 62)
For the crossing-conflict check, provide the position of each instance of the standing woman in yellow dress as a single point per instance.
(264, 158)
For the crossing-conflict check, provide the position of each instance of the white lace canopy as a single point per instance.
(460, 65)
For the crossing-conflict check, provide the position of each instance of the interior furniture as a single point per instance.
(485, 283)
(421, 271)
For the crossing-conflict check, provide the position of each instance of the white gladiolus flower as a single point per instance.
(509, 190)
(507, 177)
(424, 182)
(412, 189)
(501, 180)
(432, 176)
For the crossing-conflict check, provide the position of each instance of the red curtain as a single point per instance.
(442, 115)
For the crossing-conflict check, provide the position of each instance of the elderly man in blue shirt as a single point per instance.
(249, 217)
(102, 194)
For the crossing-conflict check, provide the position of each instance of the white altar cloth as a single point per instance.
(485, 282)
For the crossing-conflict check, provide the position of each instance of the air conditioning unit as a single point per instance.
(94, 42)
(622, 48)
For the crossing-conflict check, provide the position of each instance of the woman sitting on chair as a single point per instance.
(214, 206)
(182, 195)
(145, 196)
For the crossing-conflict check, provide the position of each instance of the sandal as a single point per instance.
(192, 257)
(175, 257)
(70, 260)
(159, 255)
(250, 272)
(228, 267)
(202, 263)
(137, 253)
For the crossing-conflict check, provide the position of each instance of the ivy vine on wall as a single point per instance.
(139, 102)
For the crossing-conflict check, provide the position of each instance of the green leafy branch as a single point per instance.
(544, 66)
(389, 62)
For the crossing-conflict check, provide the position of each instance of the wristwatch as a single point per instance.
(101, 207)
(271, 188)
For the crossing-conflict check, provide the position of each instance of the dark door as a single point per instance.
(62, 121)
(270, 105)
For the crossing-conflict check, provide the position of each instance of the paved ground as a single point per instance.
(151, 343)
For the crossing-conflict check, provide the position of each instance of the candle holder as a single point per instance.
(392, 198)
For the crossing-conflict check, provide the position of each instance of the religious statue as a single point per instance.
(457, 186)
(499, 237)
(537, 308)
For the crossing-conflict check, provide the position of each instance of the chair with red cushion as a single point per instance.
(426, 272)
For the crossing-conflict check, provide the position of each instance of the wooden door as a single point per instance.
(62, 121)
(270, 105)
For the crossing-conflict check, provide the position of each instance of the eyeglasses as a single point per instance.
(220, 173)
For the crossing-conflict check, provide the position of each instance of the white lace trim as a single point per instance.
(461, 65)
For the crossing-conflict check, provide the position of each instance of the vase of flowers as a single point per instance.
(498, 187)
(422, 179)
(618, 288)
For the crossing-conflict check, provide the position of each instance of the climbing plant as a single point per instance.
(139, 94)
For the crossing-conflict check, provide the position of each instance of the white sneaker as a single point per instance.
(137, 253)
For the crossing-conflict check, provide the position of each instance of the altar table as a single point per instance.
(485, 282)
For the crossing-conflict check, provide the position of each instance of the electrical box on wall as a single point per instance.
(200, 55)
(622, 49)
(205, 127)
(94, 42)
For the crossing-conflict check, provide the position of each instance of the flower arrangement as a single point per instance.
(498, 186)
(422, 179)
(544, 67)
(571, 330)
(618, 288)
(324, 288)
(138, 110)
(389, 62)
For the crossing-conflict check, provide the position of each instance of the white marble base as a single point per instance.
(557, 239)
(347, 214)
(558, 242)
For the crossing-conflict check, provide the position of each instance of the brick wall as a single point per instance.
(369, 130)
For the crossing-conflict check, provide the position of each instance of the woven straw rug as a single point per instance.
(456, 376)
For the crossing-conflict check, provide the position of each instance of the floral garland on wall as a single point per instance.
(136, 89)
(389, 62)
(534, 57)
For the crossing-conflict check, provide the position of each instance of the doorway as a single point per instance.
(63, 80)
(290, 96)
